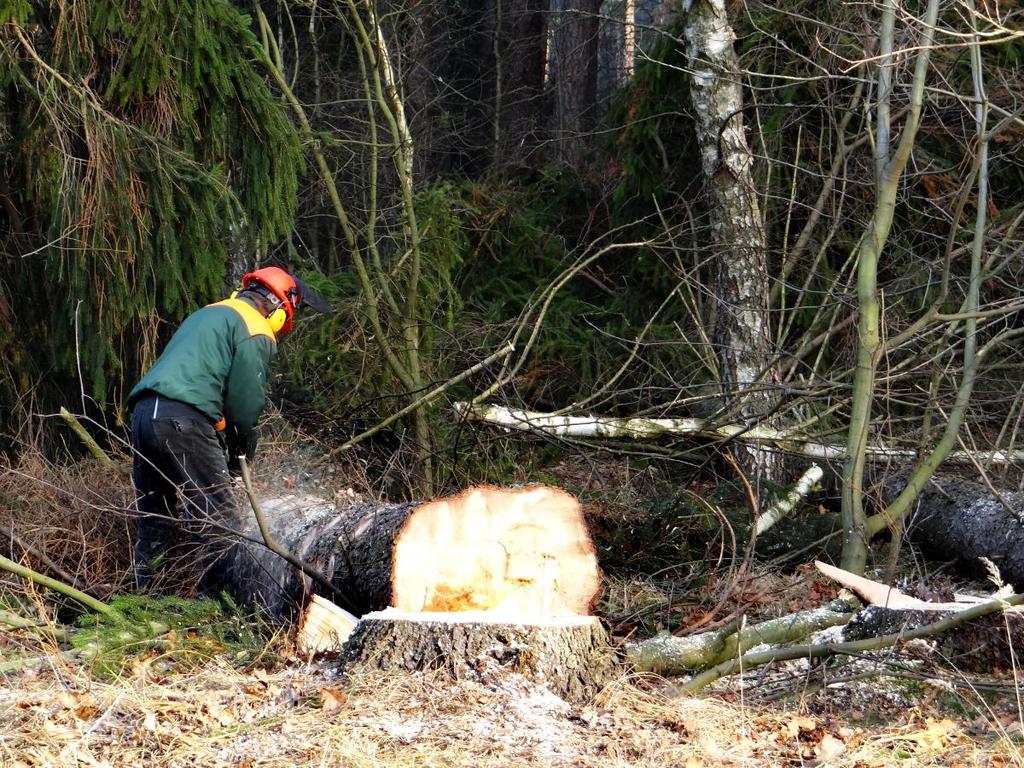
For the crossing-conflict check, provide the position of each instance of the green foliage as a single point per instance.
(187, 631)
(654, 141)
(143, 145)
(488, 252)
(15, 10)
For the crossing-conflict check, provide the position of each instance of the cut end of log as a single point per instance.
(323, 628)
(516, 555)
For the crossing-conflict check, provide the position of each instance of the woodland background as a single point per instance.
(663, 254)
(662, 225)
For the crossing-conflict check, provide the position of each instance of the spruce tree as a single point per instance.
(139, 140)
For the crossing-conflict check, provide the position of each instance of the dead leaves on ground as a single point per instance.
(299, 715)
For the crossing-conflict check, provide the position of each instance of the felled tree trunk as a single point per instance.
(522, 550)
(489, 581)
(349, 542)
(953, 519)
(668, 656)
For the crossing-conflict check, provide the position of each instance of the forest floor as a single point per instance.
(230, 693)
(156, 710)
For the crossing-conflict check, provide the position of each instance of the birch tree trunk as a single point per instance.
(741, 334)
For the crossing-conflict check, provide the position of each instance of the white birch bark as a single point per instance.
(786, 504)
(741, 335)
(643, 428)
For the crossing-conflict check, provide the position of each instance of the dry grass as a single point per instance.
(160, 712)
(301, 714)
(69, 521)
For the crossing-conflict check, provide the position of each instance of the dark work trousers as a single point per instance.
(187, 508)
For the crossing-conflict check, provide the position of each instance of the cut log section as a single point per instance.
(323, 628)
(521, 551)
(348, 540)
(571, 655)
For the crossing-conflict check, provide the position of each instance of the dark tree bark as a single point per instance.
(349, 542)
(573, 69)
(574, 658)
(976, 646)
(475, 85)
(953, 519)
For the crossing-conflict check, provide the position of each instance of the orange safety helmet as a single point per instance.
(285, 288)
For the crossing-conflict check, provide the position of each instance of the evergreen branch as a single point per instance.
(89, 99)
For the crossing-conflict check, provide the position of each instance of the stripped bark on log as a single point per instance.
(977, 645)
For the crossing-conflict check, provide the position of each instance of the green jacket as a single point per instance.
(217, 362)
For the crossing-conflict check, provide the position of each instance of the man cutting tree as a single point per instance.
(195, 412)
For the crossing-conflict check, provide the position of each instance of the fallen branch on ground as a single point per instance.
(608, 427)
(67, 590)
(823, 650)
(669, 656)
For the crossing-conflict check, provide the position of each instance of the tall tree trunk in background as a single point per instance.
(519, 45)
(741, 332)
(628, 52)
(573, 73)
(476, 92)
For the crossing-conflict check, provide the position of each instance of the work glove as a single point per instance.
(239, 444)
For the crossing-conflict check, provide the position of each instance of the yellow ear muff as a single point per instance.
(277, 319)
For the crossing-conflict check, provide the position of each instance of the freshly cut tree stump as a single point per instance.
(571, 655)
(486, 583)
